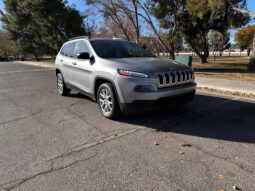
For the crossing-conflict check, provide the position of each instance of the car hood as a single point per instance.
(149, 65)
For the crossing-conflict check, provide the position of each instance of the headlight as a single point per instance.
(132, 74)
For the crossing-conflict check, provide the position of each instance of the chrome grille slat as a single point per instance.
(172, 78)
(164, 79)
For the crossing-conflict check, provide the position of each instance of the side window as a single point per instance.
(70, 49)
(81, 47)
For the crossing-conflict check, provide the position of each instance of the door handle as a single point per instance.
(74, 63)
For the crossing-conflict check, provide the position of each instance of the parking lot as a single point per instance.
(49, 142)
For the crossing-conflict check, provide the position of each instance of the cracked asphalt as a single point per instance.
(49, 142)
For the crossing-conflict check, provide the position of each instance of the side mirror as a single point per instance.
(84, 55)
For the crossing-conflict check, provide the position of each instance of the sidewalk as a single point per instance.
(233, 86)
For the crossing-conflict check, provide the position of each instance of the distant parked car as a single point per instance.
(3, 58)
(122, 76)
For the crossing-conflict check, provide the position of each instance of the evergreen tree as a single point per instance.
(41, 26)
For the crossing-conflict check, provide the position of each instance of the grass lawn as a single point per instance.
(233, 67)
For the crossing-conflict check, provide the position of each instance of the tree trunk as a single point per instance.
(248, 51)
(203, 56)
(137, 28)
(202, 52)
(172, 55)
(36, 56)
(203, 59)
(251, 66)
(214, 56)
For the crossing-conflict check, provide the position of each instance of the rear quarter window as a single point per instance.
(63, 50)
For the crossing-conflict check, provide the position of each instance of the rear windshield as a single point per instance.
(119, 49)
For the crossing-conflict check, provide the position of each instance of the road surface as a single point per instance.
(49, 142)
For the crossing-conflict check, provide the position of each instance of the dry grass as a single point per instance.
(233, 67)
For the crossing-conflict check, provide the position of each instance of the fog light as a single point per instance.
(145, 88)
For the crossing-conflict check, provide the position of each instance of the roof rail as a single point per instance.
(115, 38)
(79, 37)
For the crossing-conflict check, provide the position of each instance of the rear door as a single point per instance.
(68, 63)
(83, 68)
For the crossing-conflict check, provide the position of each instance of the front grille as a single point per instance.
(173, 78)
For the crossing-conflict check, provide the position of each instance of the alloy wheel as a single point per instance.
(60, 83)
(105, 101)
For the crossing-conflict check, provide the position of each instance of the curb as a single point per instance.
(226, 89)
(231, 93)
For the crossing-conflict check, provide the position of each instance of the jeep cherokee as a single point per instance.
(121, 76)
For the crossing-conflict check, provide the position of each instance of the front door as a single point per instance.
(67, 61)
(83, 68)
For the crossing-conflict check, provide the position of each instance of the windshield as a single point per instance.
(119, 49)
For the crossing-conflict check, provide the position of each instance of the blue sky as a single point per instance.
(80, 5)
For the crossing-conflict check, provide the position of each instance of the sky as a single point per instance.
(80, 5)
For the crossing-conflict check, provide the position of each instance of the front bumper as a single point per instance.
(132, 101)
(149, 105)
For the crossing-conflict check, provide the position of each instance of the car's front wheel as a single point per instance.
(62, 89)
(107, 101)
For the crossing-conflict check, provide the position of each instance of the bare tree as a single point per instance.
(121, 21)
(144, 13)
(125, 16)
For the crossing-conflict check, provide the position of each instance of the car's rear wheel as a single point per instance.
(107, 102)
(62, 89)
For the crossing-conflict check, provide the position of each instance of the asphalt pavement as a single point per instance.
(49, 142)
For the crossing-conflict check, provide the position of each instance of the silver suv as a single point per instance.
(122, 76)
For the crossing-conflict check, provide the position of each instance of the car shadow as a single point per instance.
(207, 116)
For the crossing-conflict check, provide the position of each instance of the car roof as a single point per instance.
(96, 39)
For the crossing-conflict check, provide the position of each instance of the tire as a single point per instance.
(107, 101)
(62, 89)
